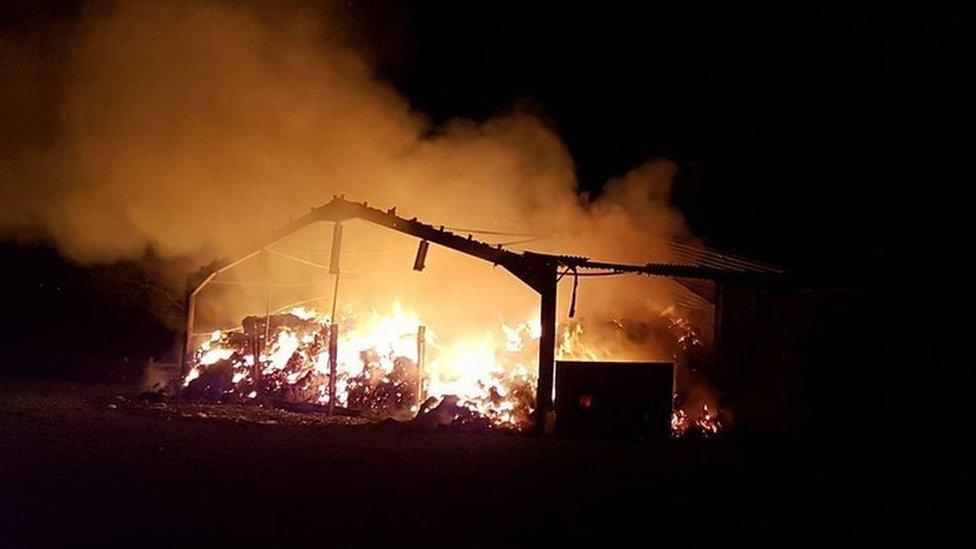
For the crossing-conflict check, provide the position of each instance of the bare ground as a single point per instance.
(88, 465)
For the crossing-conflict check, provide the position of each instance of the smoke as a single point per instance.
(194, 128)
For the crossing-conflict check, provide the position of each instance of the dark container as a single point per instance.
(614, 399)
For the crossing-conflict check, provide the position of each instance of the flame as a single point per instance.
(491, 375)
(706, 423)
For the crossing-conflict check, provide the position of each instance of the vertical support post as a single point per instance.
(190, 302)
(720, 341)
(547, 348)
(718, 311)
(421, 352)
(267, 301)
(333, 363)
(334, 326)
(336, 248)
(255, 350)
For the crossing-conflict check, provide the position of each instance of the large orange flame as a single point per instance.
(492, 374)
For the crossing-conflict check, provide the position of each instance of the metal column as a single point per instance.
(547, 348)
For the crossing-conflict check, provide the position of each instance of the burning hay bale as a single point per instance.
(374, 375)
(292, 367)
(448, 412)
(374, 389)
(214, 384)
(704, 423)
(283, 360)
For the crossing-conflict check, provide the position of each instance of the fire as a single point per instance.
(492, 375)
(488, 376)
(498, 379)
(707, 422)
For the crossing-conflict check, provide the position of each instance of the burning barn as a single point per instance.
(386, 362)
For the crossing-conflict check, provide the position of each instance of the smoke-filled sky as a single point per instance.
(196, 128)
(827, 137)
(193, 128)
(778, 121)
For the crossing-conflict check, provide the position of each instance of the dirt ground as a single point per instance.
(89, 465)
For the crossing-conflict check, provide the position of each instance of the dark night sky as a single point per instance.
(818, 135)
(810, 134)
(828, 133)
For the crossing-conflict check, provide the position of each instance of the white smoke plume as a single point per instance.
(195, 127)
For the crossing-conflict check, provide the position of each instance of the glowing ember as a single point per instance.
(706, 423)
(491, 376)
